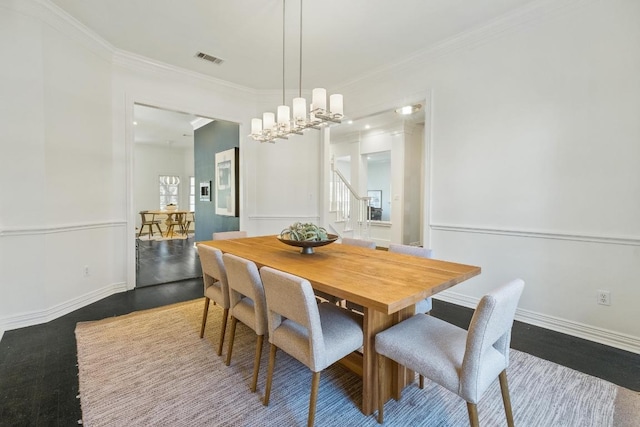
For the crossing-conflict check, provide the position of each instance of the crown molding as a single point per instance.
(61, 21)
(134, 61)
(499, 27)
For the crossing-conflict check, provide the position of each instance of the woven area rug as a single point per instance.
(157, 237)
(150, 368)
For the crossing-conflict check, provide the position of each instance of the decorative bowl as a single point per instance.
(171, 207)
(308, 245)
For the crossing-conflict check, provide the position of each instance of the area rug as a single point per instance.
(150, 368)
(158, 237)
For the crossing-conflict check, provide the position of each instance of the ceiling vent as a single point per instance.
(209, 58)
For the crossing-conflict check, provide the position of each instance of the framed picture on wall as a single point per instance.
(376, 198)
(205, 191)
(227, 195)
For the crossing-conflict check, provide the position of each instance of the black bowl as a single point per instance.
(308, 245)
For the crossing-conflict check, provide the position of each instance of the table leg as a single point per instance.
(398, 377)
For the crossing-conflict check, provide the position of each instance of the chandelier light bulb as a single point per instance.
(335, 105)
(284, 116)
(319, 99)
(299, 109)
(256, 126)
(268, 121)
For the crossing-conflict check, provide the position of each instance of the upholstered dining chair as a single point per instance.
(214, 276)
(359, 242)
(223, 235)
(466, 363)
(149, 219)
(247, 304)
(317, 335)
(426, 304)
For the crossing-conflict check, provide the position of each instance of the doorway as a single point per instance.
(163, 174)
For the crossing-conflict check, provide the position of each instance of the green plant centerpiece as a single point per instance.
(306, 236)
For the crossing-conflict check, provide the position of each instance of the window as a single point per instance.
(192, 193)
(169, 190)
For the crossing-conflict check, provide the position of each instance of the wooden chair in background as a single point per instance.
(149, 219)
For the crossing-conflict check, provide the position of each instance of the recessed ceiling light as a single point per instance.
(367, 127)
(408, 109)
(135, 123)
(350, 122)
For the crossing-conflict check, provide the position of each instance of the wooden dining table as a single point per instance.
(170, 214)
(387, 285)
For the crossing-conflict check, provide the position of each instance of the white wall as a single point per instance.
(58, 200)
(151, 161)
(533, 160)
(68, 159)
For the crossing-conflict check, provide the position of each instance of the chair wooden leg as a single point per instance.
(313, 399)
(504, 388)
(223, 329)
(381, 376)
(158, 227)
(473, 414)
(256, 363)
(272, 365)
(234, 321)
(204, 316)
(421, 381)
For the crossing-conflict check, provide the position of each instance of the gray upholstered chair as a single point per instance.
(426, 304)
(317, 335)
(358, 242)
(247, 304)
(466, 363)
(224, 235)
(214, 276)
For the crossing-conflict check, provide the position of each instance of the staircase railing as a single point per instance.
(350, 208)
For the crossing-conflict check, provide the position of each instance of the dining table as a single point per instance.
(387, 286)
(170, 214)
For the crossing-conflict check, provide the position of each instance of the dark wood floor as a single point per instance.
(38, 364)
(167, 261)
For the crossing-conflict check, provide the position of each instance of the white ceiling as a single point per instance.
(342, 40)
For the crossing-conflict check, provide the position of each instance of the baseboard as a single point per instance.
(43, 316)
(576, 329)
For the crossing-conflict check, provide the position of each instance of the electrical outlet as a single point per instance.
(604, 297)
(86, 271)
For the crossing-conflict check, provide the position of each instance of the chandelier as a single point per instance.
(272, 127)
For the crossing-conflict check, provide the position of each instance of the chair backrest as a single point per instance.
(244, 280)
(291, 299)
(224, 235)
(359, 242)
(213, 270)
(488, 339)
(411, 250)
(147, 217)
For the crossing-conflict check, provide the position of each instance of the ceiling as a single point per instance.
(160, 127)
(342, 40)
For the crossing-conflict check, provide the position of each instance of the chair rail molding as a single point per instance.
(576, 237)
(66, 228)
(576, 329)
